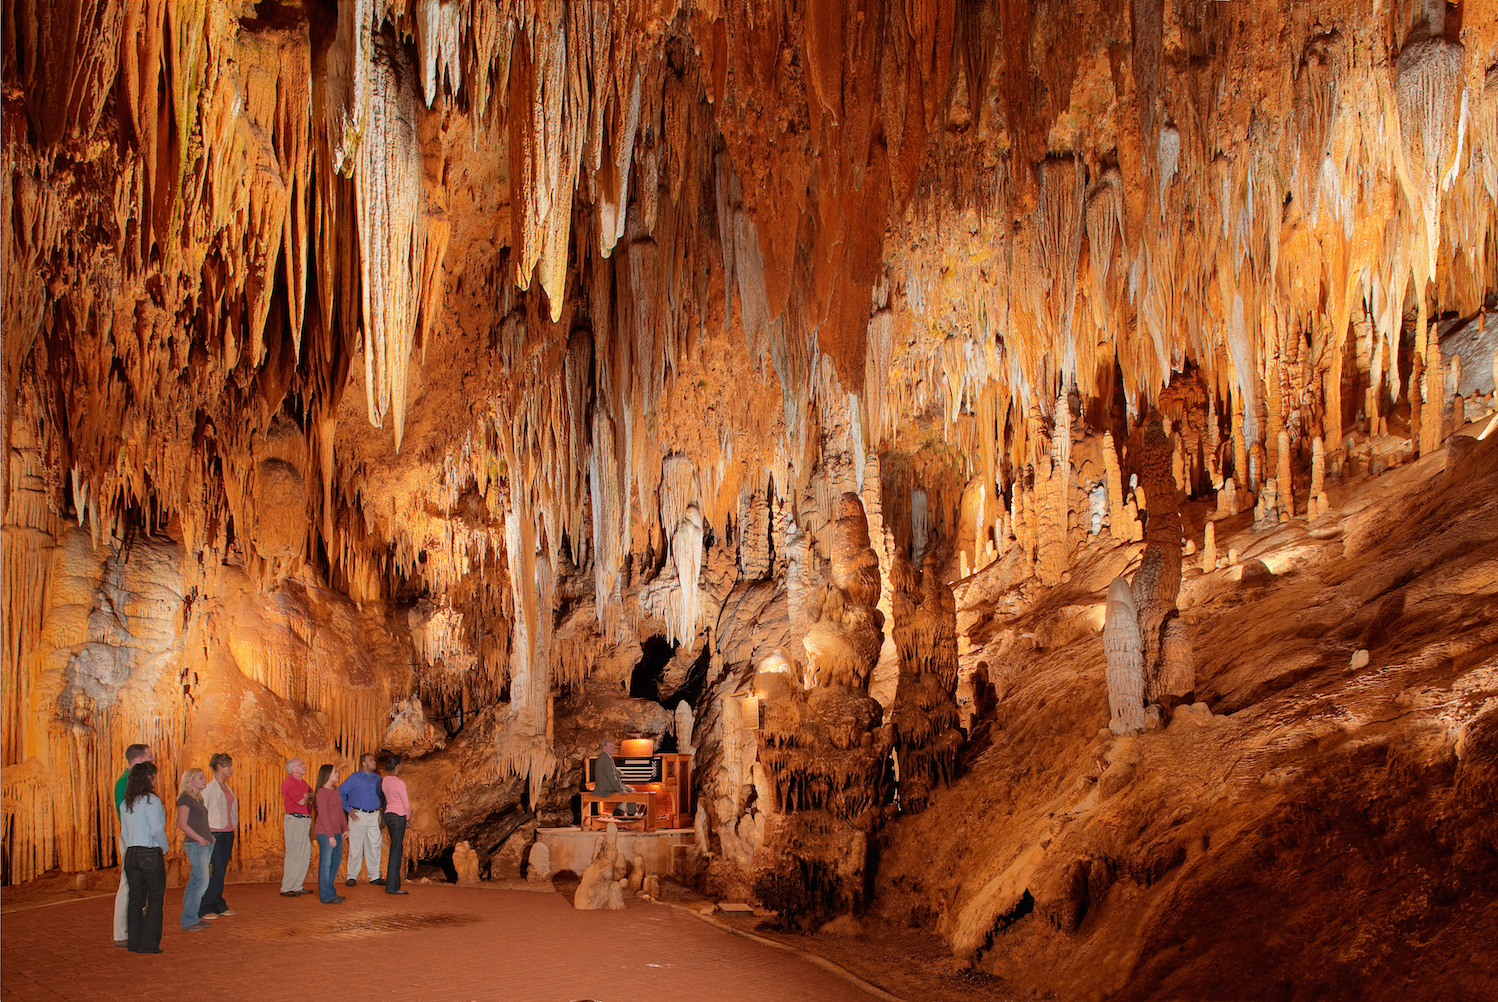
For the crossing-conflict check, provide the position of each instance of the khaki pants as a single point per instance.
(121, 900)
(298, 859)
(364, 843)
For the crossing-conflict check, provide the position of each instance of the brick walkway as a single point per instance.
(439, 944)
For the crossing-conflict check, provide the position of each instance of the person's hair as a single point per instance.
(290, 762)
(218, 760)
(186, 785)
(134, 752)
(142, 783)
(323, 772)
(391, 761)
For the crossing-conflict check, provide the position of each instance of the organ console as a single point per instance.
(663, 785)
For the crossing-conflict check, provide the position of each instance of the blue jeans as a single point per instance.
(201, 858)
(329, 855)
(213, 898)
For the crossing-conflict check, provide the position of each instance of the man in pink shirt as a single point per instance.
(397, 813)
(296, 796)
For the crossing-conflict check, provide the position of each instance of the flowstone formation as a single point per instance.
(924, 713)
(824, 748)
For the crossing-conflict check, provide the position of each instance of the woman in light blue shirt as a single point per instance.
(143, 825)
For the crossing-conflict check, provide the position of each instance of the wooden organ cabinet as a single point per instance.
(662, 781)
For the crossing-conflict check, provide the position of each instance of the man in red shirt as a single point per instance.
(296, 796)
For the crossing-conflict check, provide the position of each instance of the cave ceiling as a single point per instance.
(424, 294)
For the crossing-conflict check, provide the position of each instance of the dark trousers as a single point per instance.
(145, 872)
(395, 824)
(213, 898)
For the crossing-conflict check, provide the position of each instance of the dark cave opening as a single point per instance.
(645, 680)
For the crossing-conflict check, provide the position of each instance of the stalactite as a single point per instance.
(438, 45)
(392, 237)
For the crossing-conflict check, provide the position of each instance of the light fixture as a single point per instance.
(637, 747)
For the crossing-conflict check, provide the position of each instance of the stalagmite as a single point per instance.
(1209, 548)
(924, 712)
(1318, 466)
(1417, 404)
(684, 725)
(1283, 478)
(1125, 652)
(1176, 682)
(1227, 499)
(1158, 581)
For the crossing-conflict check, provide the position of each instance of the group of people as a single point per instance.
(208, 817)
(351, 811)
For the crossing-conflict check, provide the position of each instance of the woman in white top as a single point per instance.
(143, 830)
(223, 819)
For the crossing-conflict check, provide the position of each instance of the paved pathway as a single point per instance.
(438, 944)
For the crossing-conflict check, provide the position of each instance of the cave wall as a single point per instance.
(402, 348)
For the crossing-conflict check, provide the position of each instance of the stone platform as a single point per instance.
(573, 848)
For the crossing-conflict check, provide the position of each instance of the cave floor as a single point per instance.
(439, 943)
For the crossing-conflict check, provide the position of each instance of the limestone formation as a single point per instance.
(466, 862)
(538, 863)
(409, 732)
(924, 713)
(684, 725)
(599, 889)
(1125, 651)
(843, 643)
(468, 380)
(1158, 581)
(1175, 682)
(1286, 495)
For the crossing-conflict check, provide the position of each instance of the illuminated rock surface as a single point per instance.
(476, 381)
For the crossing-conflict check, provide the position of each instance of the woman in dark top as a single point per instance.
(330, 827)
(197, 843)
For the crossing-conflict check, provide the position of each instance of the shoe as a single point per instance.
(123, 944)
(337, 900)
(378, 880)
(146, 951)
(397, 892)
(197, 927)
(350, 882)
(291, 894)
(228, 911)
(208, 917)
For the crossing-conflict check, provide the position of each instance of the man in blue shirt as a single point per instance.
(362, 800)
